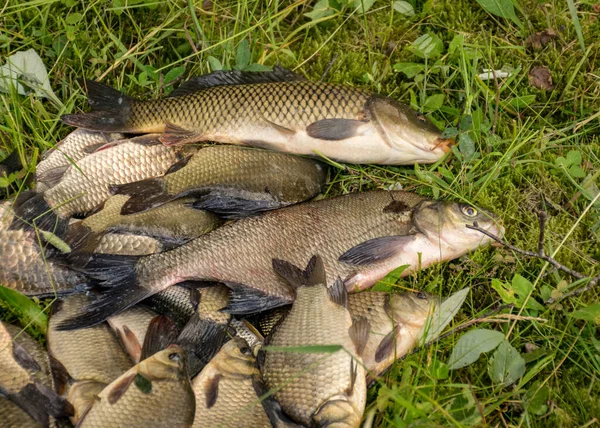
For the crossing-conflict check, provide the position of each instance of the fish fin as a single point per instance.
(145, 194)
(353, 376)
(179, 164)
(283, 129)
(11, 163)
(386, 346)
(52, 176)
(93, 148)
(236, 77)
(245, 300)
(120, 388)
(201, 339)
(144, 140)
(83, 243)
(211, 390)
(60, 375)
(338, 293)
(252, 328)
(359, 333)
(175, 134)
(39, 402)
(103, 97)
(34, 212)
(162, 332)
(334, 129)
(130, 343)
(233, 203)
(315, 272)
(24, 358)
(293, 275)
(375, 250)
(272, 408)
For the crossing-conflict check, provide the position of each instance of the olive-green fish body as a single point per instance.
(225, 389)
(74, 147)
(128, 244)
(274, 110)
(28, 267)
(155, 393)
(131, 327)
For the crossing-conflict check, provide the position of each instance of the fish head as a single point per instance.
(170, 363)
(445, 224)
(409, 131)
(236, 358)
(412, 308)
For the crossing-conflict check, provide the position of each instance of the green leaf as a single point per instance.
(143, 384)
(506, 365)
(433, 102)
(589, 313)
(535, 399)
(215, 64)
(456, 44)
(438, 369)
(362, 5)
(522, 101)
(257, 67)
(411, 69)
(507, 295)
(443, 315)
(501, 8)
(387, 282)
(449, 132)
(242, 55)
(24, 307)
(466, 123)
(466, 146)
(574, 157)
(523, 287)
(73, 18)
(173, 74)
(404, 8)
(320, 10)
(427, 46)
(471, 345)
(560, 161)
(308, 349)
(576, 171)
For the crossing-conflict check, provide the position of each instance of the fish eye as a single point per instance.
(245, 350)
(468, 210)
(421, 117)
(175, 357)
(421, 295)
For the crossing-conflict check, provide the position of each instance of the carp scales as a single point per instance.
(231, 181)
(361, 237)
(70, 150)
(278, 110)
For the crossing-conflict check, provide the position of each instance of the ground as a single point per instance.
(530, 141)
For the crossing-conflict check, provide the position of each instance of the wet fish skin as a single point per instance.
(154, 393)
(69, 150)
(91, 358)
(178, 302)
(131, 326)
(317, 389)
(83, 189)
(227, 390)
(231, 181)
(128, 244)
(29, 266)
(15, 417)
(361, 238)
(279, 111)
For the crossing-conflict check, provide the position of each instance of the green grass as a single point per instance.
(519, 134)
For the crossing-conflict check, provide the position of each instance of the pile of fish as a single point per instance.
(211, 285)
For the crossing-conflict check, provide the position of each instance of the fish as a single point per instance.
(130, 327)
(86, 360)
(154, 393)
(206, 331)
(160, 228)
(22, 382)
(31, 266)
(245, 330)
(178, 302)
(362, 237)
(67, 152)
(81, 190)
(317, 388)
(11, 163)
(396, 320)
(278, 110)
(15, 417)
(229, 391)
(230, 181)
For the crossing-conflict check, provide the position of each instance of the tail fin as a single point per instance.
(144, 195)
(11, 163)
(83, 242)
(112, 109)
(39, 402)
(162, 332)
(32, 211)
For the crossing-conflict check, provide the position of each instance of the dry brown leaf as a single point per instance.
(541, 39)
(541, 78)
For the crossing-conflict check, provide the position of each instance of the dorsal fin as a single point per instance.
(338, 293)
(236, 77)
(315, 272)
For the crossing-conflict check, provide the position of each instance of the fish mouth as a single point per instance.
(445, 144)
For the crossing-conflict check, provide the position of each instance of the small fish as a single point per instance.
(278, 110)
(29, 265)
(231, 181)
(206, 331)
(83, 189)
(70, 150)
(229, 389)
(155, 393)
(317, 389)
(24, 383)
(362, 237)
(86, 360)
(396, 321)
(178, 302)
(130, 327)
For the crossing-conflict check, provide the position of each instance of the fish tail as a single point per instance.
(117, 274)
(11, 163)
(33, 212)
(112, 109)
(40, 402)
(83, 241)
(144, 195)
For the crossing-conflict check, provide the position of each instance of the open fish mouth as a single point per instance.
(445, 144)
